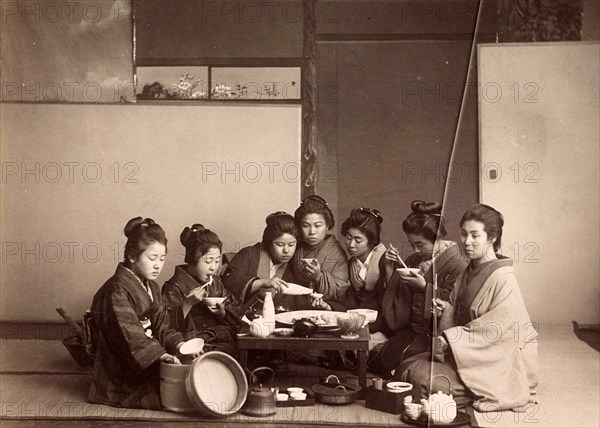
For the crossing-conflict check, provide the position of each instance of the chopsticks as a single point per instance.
(434, 297)
(400, 258)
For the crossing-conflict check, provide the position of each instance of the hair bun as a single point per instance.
(197, 227)
(132, 225)
(271, 217)
(377, 215)
(188, 232)
(422, 207)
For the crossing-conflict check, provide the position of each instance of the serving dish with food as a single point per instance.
(325, 320)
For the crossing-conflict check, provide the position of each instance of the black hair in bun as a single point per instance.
(314, 204)
(198, 241)
(422, 207)
(425, 220)
(140, 233)
(188, 232)
(368, 221)
(278, 224)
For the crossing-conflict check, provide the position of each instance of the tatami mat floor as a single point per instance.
(40, 381)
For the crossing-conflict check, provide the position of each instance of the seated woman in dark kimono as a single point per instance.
(486, 347)
(263, 267)
(131, 326)
(362, 231)
(405, 315)
(320, 262)
(195, 280)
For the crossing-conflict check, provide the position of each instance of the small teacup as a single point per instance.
(298, 396)
(413, 410)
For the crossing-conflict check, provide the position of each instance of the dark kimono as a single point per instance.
(218, 333)
(132, 332)
(334, 280)
(405, 315)
(248, 265)
(492, 345)
(363, 294)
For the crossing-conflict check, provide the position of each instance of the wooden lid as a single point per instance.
(216, 384)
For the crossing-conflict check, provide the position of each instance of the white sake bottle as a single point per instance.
(268, 312)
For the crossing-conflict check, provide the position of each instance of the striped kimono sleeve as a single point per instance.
(163, 329)
(124, 332)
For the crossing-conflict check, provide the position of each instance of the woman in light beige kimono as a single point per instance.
(486, 348)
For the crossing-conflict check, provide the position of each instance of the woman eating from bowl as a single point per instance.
(320, 262)
(263, 267)
(405, 314)
(486, 346)
(131, 325)
(189, 292)
(362, 230)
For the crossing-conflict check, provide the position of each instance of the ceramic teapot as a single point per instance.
(440, 408)
(261, 400)
(261, 327)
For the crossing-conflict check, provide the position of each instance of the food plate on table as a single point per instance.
(423, 421)
(296, 290)
(325, 320)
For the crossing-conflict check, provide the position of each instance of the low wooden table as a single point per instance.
(325, 341)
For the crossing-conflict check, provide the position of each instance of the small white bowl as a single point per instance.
(282, 397)
(192, 346)
(298, 396)
(293, 389)
(407, 271)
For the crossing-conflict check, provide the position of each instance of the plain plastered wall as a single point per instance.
(540, 134)
(74, 174)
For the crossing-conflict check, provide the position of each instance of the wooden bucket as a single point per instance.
(173, 394)
(216, 384)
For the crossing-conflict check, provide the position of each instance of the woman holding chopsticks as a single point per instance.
(405, 315)
(486, 347)
(195, 280)
(362, 230)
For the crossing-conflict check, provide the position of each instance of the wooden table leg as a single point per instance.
(244, 358)
(362, 371)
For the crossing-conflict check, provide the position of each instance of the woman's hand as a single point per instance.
(219, 311)
(171, 359)
(439, 349)
(447, 318)
(276, 285)
(445, 311)
(320, 304)
(439, 306)
(312, 270)
(392, 255)
(415, 281)
(196, 295)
